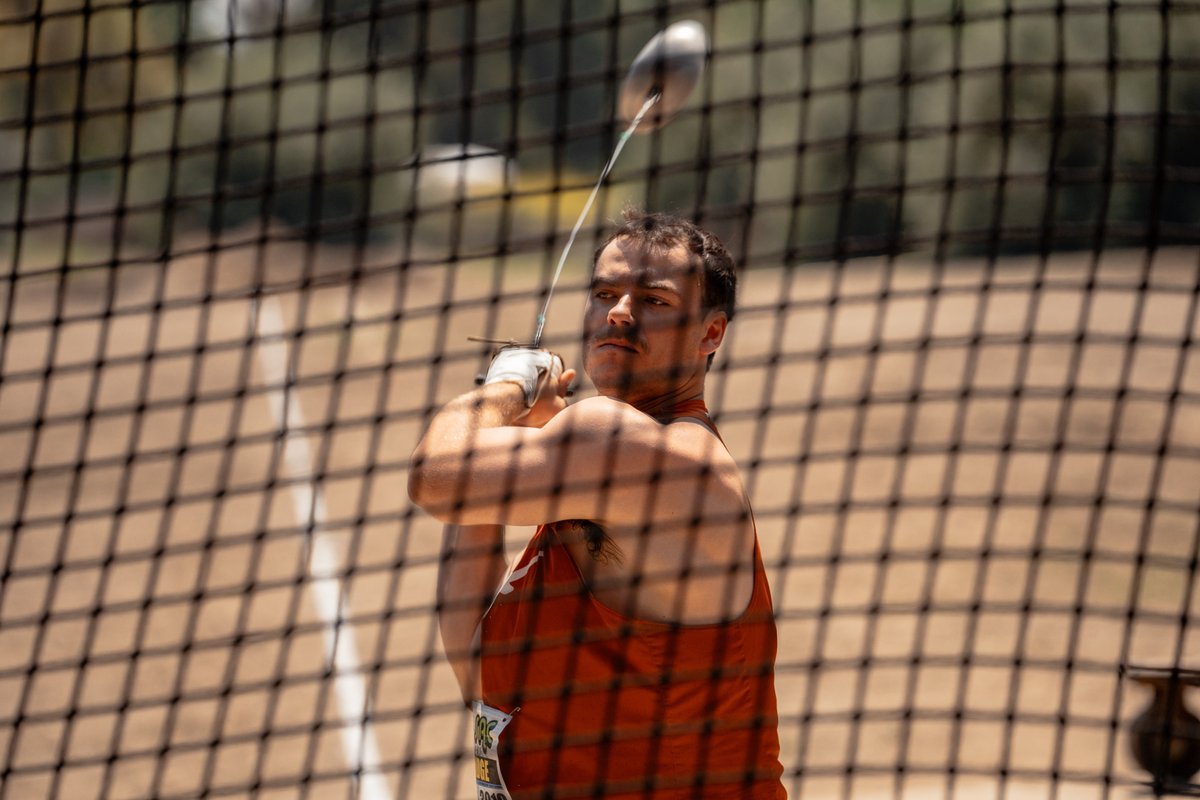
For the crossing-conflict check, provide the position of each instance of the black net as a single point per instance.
(243, 243)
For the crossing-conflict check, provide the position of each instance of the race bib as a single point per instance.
(489, 724)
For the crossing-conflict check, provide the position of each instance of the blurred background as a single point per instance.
(824, 129)
(243, 244)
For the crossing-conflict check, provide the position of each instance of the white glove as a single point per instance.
(526, 367)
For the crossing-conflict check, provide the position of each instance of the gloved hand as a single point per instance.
(529, 368)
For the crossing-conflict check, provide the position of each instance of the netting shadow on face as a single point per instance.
(242, 246)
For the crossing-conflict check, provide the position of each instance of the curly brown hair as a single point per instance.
(664, 231)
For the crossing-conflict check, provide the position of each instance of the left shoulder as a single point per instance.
(618, 422)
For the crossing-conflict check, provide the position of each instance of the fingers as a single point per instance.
(564, 382)
(540, 373)
(549, 380)
(529, 368)
(551, 399)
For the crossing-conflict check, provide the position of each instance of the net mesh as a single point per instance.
(243, 243)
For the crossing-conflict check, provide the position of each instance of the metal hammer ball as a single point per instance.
(669, 65)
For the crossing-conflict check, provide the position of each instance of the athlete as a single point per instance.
(629, 653)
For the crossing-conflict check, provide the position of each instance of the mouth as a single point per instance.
(614, 344)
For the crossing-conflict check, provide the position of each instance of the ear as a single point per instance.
(714, 332)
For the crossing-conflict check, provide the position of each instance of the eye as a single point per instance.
(602, 294)
(655, 301)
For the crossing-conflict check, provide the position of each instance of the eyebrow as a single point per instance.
(659, 286)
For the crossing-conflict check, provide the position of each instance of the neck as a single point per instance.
(663, 403)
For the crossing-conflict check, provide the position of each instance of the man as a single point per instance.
(630, 652)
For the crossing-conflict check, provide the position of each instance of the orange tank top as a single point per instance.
(604, 705)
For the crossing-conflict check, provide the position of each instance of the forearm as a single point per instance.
(472, 565)
(490, 406)
(449, 442)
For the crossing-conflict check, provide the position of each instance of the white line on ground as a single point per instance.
(308, 503)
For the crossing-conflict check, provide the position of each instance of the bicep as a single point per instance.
(593, 461)
(527, 476)
(472, 567)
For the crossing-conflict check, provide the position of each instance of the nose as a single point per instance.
(621, 312)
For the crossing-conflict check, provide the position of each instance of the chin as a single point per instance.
(613, 382)
(607, 362)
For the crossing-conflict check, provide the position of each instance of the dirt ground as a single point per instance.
(975, 486)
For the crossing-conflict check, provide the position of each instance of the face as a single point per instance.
(645, 333)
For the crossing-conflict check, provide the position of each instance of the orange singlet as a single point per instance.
(615, 707)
